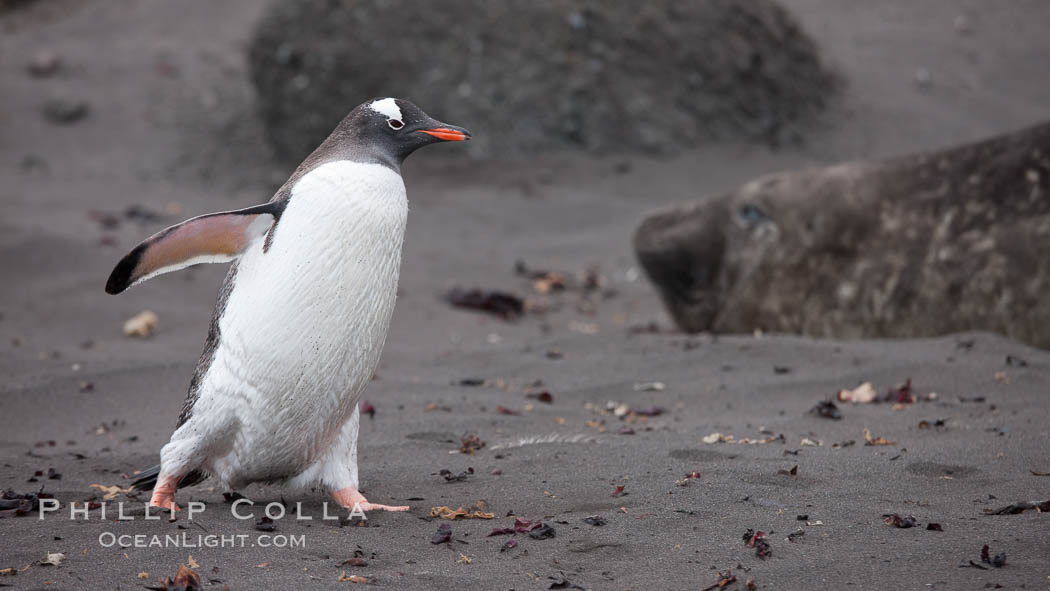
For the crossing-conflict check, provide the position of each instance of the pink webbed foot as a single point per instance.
(164, 493)
(350, 497)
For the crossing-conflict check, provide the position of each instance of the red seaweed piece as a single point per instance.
(757, 540)
(901, 394)
(504, 305)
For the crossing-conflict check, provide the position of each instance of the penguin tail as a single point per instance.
(147, 479)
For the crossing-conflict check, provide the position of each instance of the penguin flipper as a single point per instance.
(212, 238)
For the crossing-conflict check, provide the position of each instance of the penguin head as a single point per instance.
(389, 129)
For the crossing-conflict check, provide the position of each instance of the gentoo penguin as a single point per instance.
(302, 315)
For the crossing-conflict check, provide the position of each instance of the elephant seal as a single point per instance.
(912, 246)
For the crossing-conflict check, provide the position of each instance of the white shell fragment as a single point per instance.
(141, 325)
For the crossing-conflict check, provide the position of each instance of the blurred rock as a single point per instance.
(9, 5)
(923, 78)
(34, 163)
(913, 246)
(43, 64)
(528, 77)
(65, 111)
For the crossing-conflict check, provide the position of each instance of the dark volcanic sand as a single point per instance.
(164, 80)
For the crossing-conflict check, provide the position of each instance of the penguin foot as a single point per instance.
(350, 497)
(164, 493)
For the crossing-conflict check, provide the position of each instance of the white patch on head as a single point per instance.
(387, 107)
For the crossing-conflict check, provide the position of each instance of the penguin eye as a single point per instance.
(395, 123)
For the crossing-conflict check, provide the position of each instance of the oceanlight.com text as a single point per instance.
(184, 540)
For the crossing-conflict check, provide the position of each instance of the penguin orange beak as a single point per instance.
(448, 134)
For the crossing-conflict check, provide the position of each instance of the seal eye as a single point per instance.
(751, 214)
(395, 123)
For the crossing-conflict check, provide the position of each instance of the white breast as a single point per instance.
(306, 321)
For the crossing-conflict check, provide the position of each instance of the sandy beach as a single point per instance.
(169, 134)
